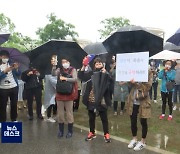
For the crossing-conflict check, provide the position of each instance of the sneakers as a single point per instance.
(132, 144)
(115, 114)
(90, 136)
(155, 101)
(169, 118)
(107, 138)
(121, 113)
(174, 108)
(50, 120)
(161, 116)
(139, 146)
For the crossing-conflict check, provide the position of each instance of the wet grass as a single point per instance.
(158, 129)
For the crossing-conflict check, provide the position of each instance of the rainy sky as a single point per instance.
(86, 15)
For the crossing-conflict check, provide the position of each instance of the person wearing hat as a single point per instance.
(166, 75)
(8, 86)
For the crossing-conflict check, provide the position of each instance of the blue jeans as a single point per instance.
(176, 93)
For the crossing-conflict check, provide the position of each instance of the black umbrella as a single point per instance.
(99, 50)
(133, 39)
(100, 85)
(4, 37)
(175, 39)
(40, 57)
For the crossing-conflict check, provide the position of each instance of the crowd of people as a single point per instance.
(99, 90)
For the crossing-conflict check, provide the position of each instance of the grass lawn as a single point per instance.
(157, 132)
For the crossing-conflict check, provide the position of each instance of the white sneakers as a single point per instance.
(132, 144)
(51, 120)
(137, 146)
(174, 108)
(155, 101)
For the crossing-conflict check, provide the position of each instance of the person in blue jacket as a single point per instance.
(8, 86)
(166, 74)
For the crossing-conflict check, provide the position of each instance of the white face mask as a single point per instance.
(5, 60)
(66, 65)
(167, 66)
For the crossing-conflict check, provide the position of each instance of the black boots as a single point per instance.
(70, 130)
(61, 130)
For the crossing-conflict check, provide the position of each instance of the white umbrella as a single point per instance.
(166, 55)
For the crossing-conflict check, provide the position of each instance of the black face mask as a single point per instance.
(98, 69)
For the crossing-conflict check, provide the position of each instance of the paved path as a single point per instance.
(40, 137)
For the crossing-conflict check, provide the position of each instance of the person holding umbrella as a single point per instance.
(96, 96)
(167, 75)
(8, 86)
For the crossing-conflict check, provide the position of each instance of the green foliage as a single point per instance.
(56, 29)
(6, 24)
(16, 39)
(111, 25)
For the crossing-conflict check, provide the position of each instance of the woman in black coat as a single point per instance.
(96, 100)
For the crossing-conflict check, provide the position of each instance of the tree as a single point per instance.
(6, 24)
(16, 39)
(56, 29)
(111, 25)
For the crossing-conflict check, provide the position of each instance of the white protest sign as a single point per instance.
(132, 66)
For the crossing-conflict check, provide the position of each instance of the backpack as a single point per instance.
(64, 87)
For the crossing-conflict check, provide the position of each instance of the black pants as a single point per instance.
(4, 95)
(76, 101)
(153, 87)
(37, 93)
(50, 108)
(143, 121)
(116, 105)
(104, 119)
(164, 97)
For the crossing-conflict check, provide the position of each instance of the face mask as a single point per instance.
(5, 60)
(66, 65)
(167, 66)
(98, 69)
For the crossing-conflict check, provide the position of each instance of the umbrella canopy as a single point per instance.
(17, 56)
(40, 57)
(95, 48)
(133, 39)
(166, 55)
(171, 47)
(175, 39)
(4, 37)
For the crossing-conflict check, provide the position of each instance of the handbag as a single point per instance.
(169, 84)
(64, 87)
